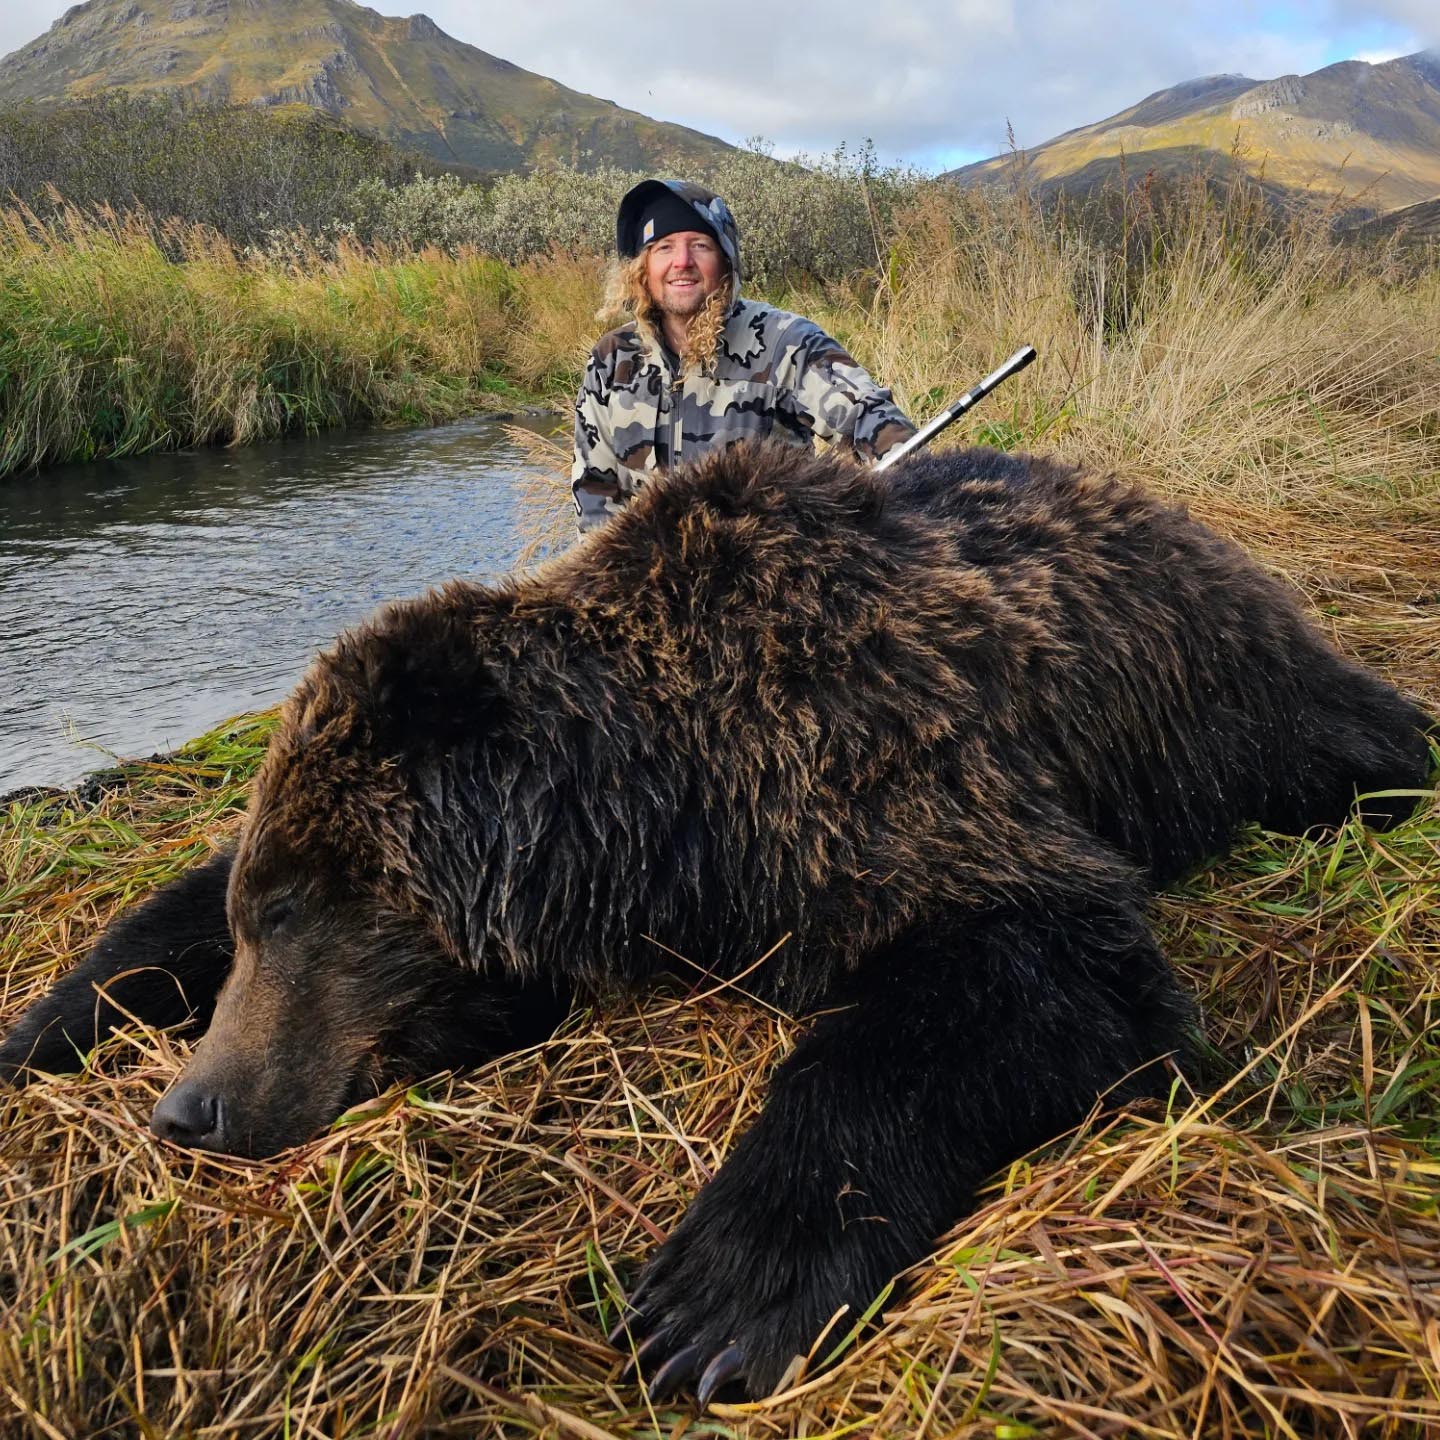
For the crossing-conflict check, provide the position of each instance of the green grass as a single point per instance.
(118, 338)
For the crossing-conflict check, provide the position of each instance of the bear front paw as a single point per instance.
(741, 1290)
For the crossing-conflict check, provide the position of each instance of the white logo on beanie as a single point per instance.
(649, 232)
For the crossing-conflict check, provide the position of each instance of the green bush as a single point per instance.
(821, 219)
(817, 220)
(283, 182)
(244, 171)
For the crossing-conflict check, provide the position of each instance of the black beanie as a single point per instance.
(667, 214)
(668, 206)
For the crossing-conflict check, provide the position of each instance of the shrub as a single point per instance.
(244, 171)
(799, 219)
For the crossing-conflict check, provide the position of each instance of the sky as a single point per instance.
(931, 82)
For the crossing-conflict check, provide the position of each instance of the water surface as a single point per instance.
(143, 601)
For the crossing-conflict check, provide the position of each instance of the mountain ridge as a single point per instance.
(1354, 129)
(400, 77)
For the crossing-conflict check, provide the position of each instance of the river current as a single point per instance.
(143, 601)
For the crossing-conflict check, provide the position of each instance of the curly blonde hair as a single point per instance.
(628, 298)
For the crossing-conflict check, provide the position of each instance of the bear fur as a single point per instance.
(946, 729)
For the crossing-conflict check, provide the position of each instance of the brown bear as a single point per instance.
(946, 728)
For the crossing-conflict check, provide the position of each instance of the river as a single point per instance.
(144, 601)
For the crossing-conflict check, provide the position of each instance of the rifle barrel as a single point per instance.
(1017, 362)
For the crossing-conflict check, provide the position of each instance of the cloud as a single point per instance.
(928, 80)
(1421, 18)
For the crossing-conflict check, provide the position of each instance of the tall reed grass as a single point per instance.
(119, 335)
(1223, 353)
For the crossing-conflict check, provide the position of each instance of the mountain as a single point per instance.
(403, 79)
(1368, 132)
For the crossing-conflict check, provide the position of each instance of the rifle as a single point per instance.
(1017, 362)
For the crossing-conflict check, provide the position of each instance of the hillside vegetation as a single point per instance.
(248, 173)
(1264, 346)
(1256, 1258)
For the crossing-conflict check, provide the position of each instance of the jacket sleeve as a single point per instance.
(595, 471)
(826, 392)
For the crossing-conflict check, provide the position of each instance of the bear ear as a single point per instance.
(421, 685)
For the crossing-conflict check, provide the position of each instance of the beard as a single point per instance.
(683, 306)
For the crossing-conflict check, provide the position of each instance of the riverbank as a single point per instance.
(1203, 350)
(118, 338)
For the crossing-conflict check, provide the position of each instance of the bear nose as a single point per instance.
(188, 1116)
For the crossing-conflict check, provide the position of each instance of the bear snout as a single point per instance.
(188, 1114)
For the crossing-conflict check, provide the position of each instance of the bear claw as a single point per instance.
(723, 1368)
(690, 1365)
(678, 1370)
(643, 1346)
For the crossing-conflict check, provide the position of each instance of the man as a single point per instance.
(695, 366)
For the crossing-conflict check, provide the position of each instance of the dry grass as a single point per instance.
(1263, 1259)
(1283, 373)
(1260, 1258)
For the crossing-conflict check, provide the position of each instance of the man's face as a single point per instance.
(682, 270)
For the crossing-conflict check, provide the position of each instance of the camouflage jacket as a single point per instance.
(775, 374)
